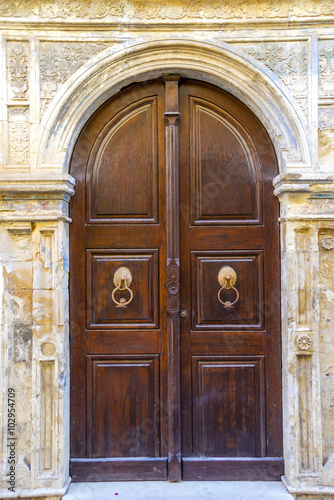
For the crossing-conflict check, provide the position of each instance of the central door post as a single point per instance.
(173, 275)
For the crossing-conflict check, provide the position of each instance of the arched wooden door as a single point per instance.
(175, 360)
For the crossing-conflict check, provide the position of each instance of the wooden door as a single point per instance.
(168, 381)
(119, 366)
(230, 352)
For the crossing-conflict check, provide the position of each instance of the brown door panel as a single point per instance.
(211, 302)
(105, 308)
(228, 342)
(132, 341)
(118, 469)
(130, 195)
(228, 400)
(123, 406)
(237, 469)
(236, 238)
(122, 236)
(221, 195)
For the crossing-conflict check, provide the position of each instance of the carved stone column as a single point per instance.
(34, 331)
(307, 243)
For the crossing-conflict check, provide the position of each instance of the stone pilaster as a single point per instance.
(34, 246)
(307, 229)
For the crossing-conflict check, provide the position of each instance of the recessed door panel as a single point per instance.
(228, 400)
(105, 307)
(224, 167)
(124, 166)
(123, 406)
(219, 305)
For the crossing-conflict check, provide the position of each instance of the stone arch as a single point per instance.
(142, 59)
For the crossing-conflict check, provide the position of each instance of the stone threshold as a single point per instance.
(188, 490)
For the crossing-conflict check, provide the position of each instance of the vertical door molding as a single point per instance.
(173, 275)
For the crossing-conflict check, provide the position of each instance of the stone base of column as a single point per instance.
(39, 493)
(309, 492)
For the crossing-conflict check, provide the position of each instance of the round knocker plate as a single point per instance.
(120, 274)
(227, 277)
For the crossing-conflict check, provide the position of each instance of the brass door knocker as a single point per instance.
(122, 281)
(227, 278)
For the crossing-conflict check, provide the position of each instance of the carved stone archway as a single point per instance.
(142, 59)
(37, 222)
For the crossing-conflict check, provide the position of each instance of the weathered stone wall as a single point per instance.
(59, 60)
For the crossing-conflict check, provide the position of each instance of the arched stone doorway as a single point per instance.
(39, 221)
(139, 60)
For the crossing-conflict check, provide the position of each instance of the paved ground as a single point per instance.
(190, 490)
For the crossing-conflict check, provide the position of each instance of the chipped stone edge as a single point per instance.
(318, 491)
(46, 493)
(36, 187)
(318, 183)
(34, 184)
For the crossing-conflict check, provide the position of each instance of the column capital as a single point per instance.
(320, 185)
(35, 197)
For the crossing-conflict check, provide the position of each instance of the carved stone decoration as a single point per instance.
(326, 118)
(304, 342)
(17, 64)
(58, 61)
(48, 349)
(307, 463)
(173, 288)
(47, 381)
(303, 278)
(326, 345)
(120, 10)
(326, 68)
(18, 135)
(328, 243)
(287, 60)
(303, 104)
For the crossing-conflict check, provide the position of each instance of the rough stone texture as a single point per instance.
(307, 208)
(34, 327)
(326, 247)
(176, 10)
(59, 61)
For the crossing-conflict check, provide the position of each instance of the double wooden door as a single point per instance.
(174, 290)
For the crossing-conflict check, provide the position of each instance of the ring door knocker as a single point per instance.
(122, 281)
(227, 278)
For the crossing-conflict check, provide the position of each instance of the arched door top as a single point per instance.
(138, 60)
